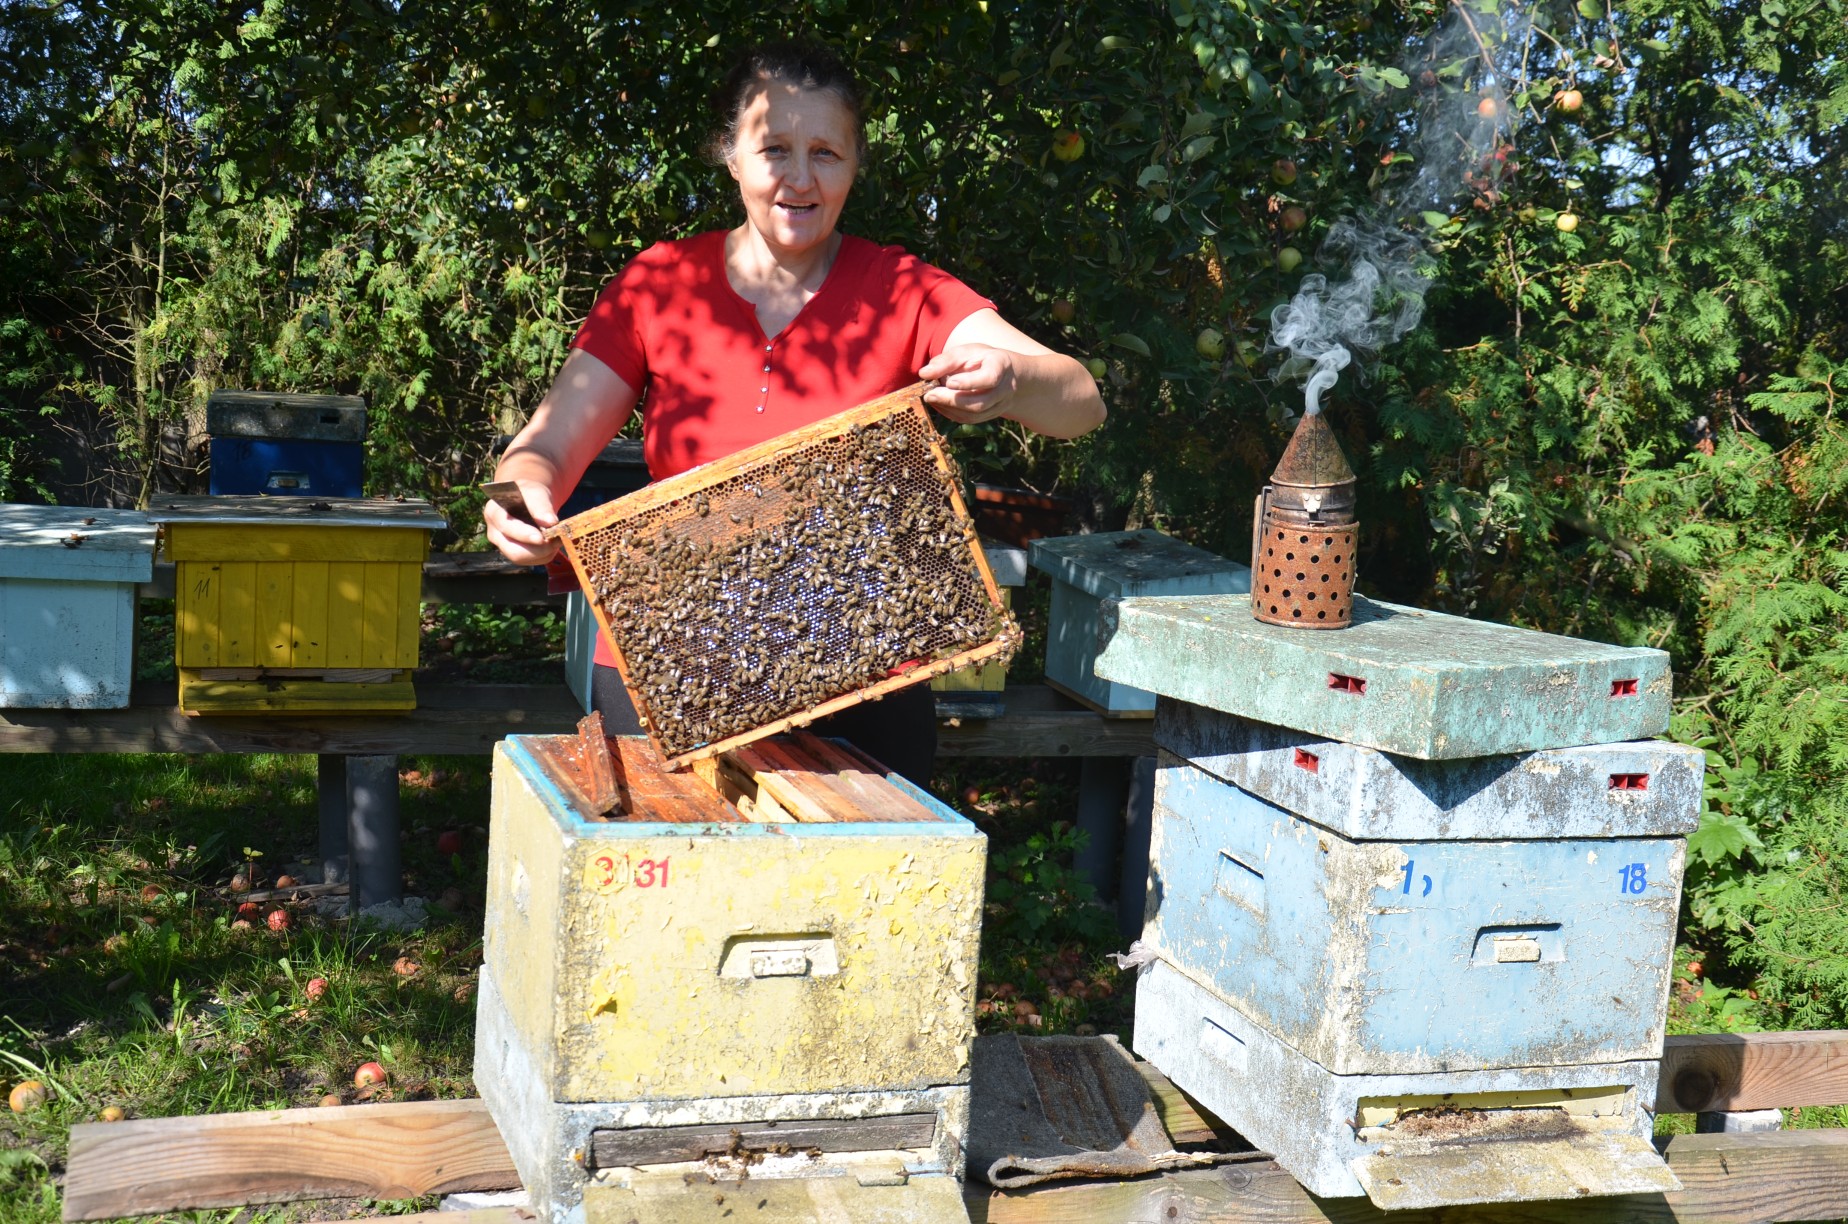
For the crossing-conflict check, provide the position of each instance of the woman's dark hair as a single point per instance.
(810, 65)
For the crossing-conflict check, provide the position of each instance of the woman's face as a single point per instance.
(794, 160)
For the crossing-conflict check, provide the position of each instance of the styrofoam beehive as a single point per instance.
(68, 604)
(792, 936)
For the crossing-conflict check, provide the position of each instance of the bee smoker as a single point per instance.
(1303, 534)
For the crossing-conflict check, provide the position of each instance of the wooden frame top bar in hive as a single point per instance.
(795, 578)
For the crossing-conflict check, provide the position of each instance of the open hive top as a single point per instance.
(790, 580)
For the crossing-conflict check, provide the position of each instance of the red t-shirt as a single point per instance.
(712, 383)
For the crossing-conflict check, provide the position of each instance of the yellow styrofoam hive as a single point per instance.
(805, 950)
(287, 604)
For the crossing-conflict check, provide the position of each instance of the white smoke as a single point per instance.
(1380, 268)
(1377, 299)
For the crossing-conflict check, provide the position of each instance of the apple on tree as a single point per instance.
(1210, 344)
(1283, 172)
(1288, 259)
(1067, 145)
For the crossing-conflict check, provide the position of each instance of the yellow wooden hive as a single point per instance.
(296, 605)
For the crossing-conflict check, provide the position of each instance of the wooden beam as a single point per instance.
(1733, 1072)
(1738, 1179)
(613, 1148)
(391, 1151)
(462, 719)
(1038, 722)
(467, 719)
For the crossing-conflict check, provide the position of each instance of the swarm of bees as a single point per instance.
(792, 583)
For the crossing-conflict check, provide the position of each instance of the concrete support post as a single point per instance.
(1103, 783)
(1138, 819)
(331, 790)
(372, 831)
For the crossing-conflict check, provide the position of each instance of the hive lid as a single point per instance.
(281, 415)
(75, 543)
(1507, 1170)
(1118, 564)
(297, 511)
(1420, 684)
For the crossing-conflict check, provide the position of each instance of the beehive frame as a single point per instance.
(869, 493)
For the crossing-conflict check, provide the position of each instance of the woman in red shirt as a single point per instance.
(733, 337)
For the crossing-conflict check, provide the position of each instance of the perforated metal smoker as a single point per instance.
(1303, 534)
(790, 580)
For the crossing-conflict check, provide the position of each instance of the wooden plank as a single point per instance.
(789, 796)
(227, 1160)
(310, 640)
(866, 785)
(666, 1144)
(379, 646)
(237, 611)
(1735, 1072)
(195, 618)
(1726, 1179)
(811, 777)
(275, 614)
(346, 613)
(199, 695)
(1188, 1124)
(466, 718)
(409, 613)
(294, 542)
(656, 794)
(459, 719)
(1036, 721)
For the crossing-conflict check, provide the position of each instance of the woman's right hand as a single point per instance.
(521, 542)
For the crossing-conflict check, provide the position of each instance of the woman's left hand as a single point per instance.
(977, 381)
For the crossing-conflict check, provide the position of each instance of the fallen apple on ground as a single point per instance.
(369, 1074)
(27, 1095)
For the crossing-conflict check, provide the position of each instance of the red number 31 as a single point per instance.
(650, 872)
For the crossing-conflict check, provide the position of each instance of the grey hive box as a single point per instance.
(1091, 571)
(1405, 681)
(67, 604)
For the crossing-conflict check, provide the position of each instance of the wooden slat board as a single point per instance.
(1739, 1179)
(1730, 1073)
(667, 1144)
(227, 1160)
(401, 1150)
(467, 719)
(862, 782)
(655, 794)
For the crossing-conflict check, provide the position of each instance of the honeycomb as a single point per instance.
(809, 572)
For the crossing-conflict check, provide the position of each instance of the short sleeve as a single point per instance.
(939, 299)
(613, 331)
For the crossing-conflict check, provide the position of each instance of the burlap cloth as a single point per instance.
(1052, 1107)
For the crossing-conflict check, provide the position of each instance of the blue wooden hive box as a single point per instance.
(1089, 571)
(1413, 892)
(67, 604)
(279, 443)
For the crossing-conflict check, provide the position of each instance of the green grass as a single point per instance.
(123, 981)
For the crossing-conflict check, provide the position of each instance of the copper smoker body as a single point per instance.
(1304, 533)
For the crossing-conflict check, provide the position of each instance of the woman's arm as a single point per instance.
(588, 404)
(990, 368)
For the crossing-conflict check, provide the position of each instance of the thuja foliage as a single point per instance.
(1624, 426)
